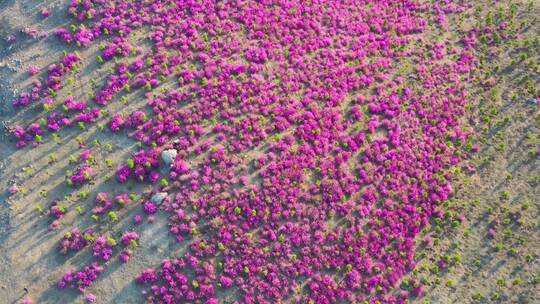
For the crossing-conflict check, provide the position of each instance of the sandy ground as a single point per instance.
(498, 188)
(28, 255)
(503, 183)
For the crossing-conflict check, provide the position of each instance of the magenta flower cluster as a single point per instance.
(74, 105)
(74, 240)
(81, 280)
(142, 166)
(128, 238)
(103, 203)
(102, 248)
(82, 175)
(149, 208)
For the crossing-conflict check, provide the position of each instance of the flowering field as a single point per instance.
(272, 151)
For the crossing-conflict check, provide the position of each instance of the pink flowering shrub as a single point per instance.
(86, 155)
(103, 203)
(124, 256)
(123, 173)
(82, 175)
(58, 211)
(117, 121)
(74, 105)
(27, 300)
(122, 199)
(142, 166)
(147, 276)
(149, 208)
(103, 248)
(81, 280)
(33, 70)
(137, 219)
(130, 238)
(119, 47)
(45, 12)
(74, 240)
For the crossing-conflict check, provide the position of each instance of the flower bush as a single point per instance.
(103, 203)
(103, 248)
(58, 211)
(74, 240)
(130, 239)
(81, 280)
(81, 176)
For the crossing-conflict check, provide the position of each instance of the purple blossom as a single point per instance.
(82, 279)
(149, 208)
(103, 248)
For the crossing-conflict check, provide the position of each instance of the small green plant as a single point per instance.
(111, 241)
(456, 258)
(83, 195)
(113, 217)
(109, 163)
(130, 163)
(80, 210)
(56, 138)
(82, 126)
(38, 209)
(164, 182)
(27, 170)
(73, 159)
(237, 210)
(52, 158)
(477, 296)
